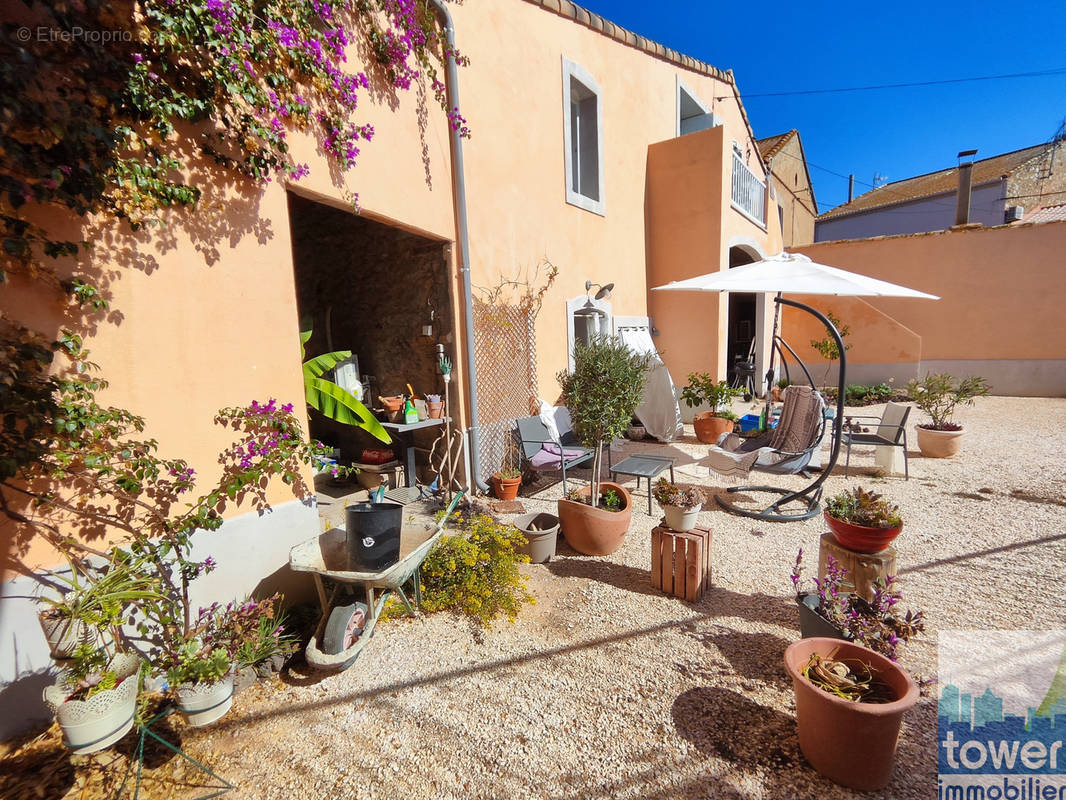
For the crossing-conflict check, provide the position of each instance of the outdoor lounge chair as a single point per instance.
(891, 432)
(545, 454)
(785, 450)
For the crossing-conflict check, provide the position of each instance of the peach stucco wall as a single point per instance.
(874, 336)
(205, 307)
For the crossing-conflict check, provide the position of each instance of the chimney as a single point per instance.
(851, 187)
(962, 206)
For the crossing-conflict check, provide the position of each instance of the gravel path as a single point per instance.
(608, 689)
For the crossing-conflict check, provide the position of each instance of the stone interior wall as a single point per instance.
(378, 281)
(1040, 182)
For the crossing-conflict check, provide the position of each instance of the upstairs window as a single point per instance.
(583, 133)
(692, 114)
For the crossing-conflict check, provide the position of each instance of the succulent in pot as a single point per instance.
(938, 395)
(710, 425)
(862, 521)
(681, 505)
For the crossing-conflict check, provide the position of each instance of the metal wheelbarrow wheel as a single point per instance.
(344, 627)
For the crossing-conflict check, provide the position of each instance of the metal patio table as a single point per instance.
(644, 466)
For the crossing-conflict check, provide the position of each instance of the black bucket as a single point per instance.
(373, 535)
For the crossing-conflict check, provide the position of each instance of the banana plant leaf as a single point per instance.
(332, 400)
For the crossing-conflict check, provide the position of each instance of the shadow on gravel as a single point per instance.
(726, 724)
(1006, 548)
(618, 575)
(756, 656)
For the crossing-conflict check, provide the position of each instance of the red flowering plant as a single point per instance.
(877, 624)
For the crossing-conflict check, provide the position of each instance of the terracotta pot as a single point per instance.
(435, 410)
(853, 744)
(681, 519)
(394, 403)
(505, 488)
(708, 427)
(938, 444)
(596, 531)
(860, 538)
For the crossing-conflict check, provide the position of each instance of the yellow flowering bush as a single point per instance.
(475, 571)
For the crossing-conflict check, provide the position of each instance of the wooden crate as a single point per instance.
(863, 569)
(681, 562)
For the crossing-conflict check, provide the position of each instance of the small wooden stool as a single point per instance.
(681, 562)
(863, 569)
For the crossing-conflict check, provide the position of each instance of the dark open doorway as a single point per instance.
(740, 343)
(377, 290)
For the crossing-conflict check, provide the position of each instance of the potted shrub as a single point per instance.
(862, 521)
(506, 482)
(201, 677)
(710, 425)
(830, 611)
(850, 702)
(681, 506)
(601, 393)
(95, 699)
(938, 395)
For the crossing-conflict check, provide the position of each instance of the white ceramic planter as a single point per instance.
(64, 634)
(204, 703)
(97, 723)
(681, 519)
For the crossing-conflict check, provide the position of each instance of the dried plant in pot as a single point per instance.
(862, 521)
(507, 481)
(938, 395)
(681, 505)
(710, 425)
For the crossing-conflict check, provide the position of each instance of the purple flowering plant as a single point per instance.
(878, 624)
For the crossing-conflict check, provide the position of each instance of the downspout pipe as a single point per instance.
(451, 80)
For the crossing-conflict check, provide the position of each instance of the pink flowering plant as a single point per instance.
(878, 624)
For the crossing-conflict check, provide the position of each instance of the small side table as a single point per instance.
(642, 466)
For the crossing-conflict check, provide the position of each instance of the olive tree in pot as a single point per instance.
(938, 395)
(601, 393)
(710, 425)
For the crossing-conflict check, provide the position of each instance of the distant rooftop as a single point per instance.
(772, 145)
(1056, 213)
(933, 183)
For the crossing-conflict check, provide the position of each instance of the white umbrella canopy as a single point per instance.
(793, 273)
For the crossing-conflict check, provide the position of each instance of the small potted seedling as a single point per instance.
(681, 506)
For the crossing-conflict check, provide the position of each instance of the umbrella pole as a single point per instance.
(812, 494)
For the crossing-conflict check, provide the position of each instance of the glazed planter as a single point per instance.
(595, 531)
(505, 488)
(681, 519)
(204, 703)
(853, 744)
(97, 723)
(814, 624)
(709, 428)
(859, 538)
(938, 444)
(541, 531)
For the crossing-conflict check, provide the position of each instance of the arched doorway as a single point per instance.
(743, 319)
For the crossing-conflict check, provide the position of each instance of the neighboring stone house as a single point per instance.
(1002, 189)
(796, 206)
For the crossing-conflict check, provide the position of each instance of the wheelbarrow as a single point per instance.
(344, 630)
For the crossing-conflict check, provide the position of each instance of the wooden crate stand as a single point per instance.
(681, 562)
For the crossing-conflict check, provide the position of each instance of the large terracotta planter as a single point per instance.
(853, 744)
(860, 538)
(938, 444)
(595, 531)
(709, 428)
(505, 488)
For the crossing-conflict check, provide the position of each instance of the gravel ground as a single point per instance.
(606, 688)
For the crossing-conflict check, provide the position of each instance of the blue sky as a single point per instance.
(895, 133)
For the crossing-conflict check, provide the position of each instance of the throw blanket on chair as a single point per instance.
(784, 449)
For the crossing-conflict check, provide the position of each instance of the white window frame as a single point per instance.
(577, 304)
(679, 87)
(572, 71)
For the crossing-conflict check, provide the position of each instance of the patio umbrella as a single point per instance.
(796, 273)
